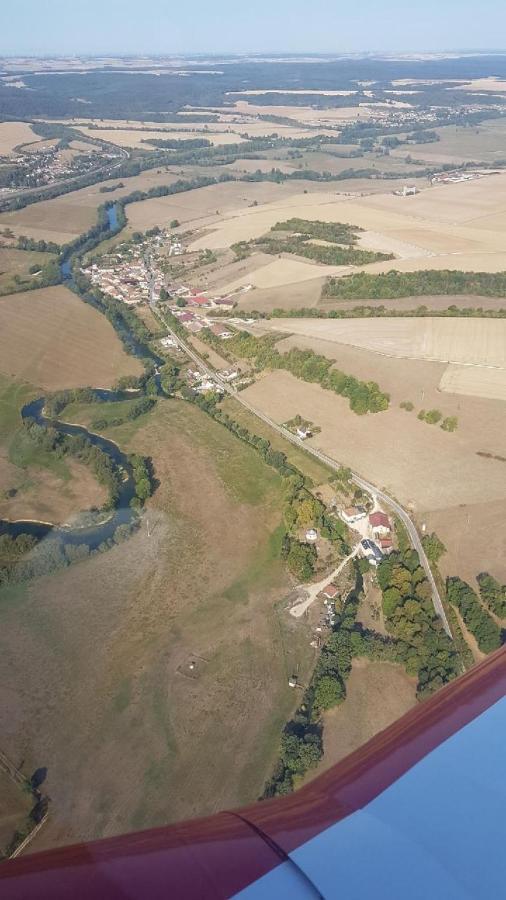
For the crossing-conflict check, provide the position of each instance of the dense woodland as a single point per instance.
(475, 617)
(340, 248)
(393, 285)
(130, 95)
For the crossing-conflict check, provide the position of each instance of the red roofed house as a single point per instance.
(330, 591)
(221, 331)
(187, 317)
(224, 301)
(199, 301)
(386, 544)
(379, 523)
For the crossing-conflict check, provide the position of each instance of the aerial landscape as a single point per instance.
(252, 418)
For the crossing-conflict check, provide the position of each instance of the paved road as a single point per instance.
(332, 464)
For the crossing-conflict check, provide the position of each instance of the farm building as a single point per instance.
(311, 535)
(353, 514)
(199, 301)
(386, 545)
(379, 523)
(229, 374)
(221, 331)
(371, 551)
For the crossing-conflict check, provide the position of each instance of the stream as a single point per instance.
(122, 514)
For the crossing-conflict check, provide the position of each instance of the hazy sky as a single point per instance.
(169, 26)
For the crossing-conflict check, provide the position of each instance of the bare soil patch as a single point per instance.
(423, 466)
(474, 537)
(52, 339)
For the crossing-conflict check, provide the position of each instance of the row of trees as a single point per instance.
(55, 403)
(41, 246)
(393, 285)
(329, 256)
(137, 408)
(301, 742)
(43, 557)
(309, 366)
(476, 618)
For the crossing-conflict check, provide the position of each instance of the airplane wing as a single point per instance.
(417, 812)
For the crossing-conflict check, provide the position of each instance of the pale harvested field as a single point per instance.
(457, 226)
(134, 139)
(14, 133)
(230, 269)
(246, 166)
(229, 126)
(477, 382)
(307, 115)
(287, 296)
(421, 465)
(377, 694)
(53, 340)
(47, 497)
(308, 294)
(206, 208)
(284, 270)
(472, 342)
(490, 83)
